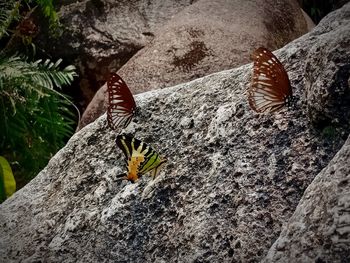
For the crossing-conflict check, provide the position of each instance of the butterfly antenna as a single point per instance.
(122, 176)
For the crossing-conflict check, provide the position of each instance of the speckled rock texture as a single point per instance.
(327, 77)
(206, 37)
(233, 178)
(319, 230)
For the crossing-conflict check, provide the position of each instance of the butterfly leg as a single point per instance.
(122, 176)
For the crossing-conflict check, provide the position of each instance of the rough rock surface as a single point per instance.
(319, 230)
(101, 35)
(327, 77)
(233, 177)
(206, 37)
(210, 36)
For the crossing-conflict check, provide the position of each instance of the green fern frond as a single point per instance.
(36, 76)
(48, 9)
(9, 12)
(51, 75)
(36, 119)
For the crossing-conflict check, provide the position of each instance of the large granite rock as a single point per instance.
(327, 76)
(319, 230)
(233, 178)
(206, 37)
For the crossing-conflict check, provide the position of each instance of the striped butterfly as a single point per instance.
(121, 104)
(140, 158)
(270, 88)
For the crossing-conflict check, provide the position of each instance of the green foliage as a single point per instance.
(49, 12)
(9, 12)
(48, 9)
(36, 119)
(7, 181)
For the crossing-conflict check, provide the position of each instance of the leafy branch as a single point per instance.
(36, 117)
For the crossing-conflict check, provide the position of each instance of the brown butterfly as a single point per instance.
(270, 88)
(121, 104)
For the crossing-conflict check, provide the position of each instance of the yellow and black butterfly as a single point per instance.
(140, 158)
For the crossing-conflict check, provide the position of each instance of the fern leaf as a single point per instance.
(9, 12)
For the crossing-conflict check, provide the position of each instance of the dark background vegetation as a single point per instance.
(36, 117)
(317, 9)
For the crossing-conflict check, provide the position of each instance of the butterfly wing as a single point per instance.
(121, 104)
(141, 158)
(270, 88)
(152, 162)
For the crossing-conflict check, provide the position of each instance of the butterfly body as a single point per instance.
(140, 157)
(270, 89)
(133, 168)
(121, 104)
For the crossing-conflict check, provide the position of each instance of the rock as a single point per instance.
(327, 77)
(210, 36)
(99, 36)
(232, 179)
(309, 22)
(319, 230)
(206, 37)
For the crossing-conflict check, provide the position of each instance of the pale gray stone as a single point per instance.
(319, 230)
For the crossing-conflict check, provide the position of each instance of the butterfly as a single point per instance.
(121, 104)
(140, 158)
(270, 88)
